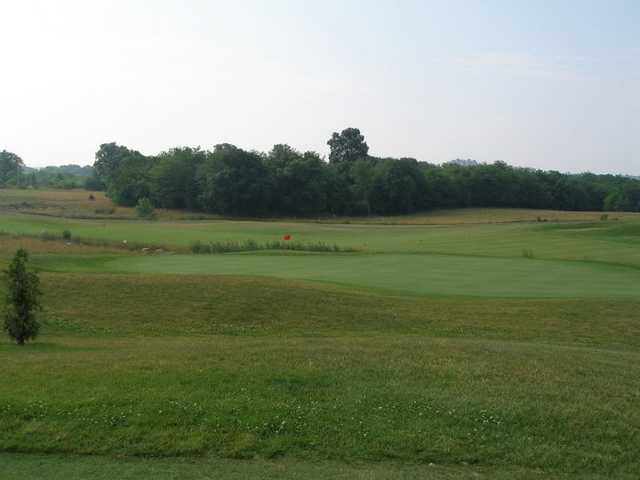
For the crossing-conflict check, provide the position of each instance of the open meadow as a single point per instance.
(454, 344)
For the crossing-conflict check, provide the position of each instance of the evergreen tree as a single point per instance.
(23, 300)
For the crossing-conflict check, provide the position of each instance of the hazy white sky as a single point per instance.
(548, 84)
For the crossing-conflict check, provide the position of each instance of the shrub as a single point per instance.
(144, 208)
(44, 235)
(66, 235)
(105, 211)
(527, 253)
(199, 247)
(23, 300)
(604, 217)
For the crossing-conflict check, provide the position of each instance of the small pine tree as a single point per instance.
(23, 300)
(144, 208)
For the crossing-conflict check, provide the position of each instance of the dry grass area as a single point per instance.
(10, 243)
(77, 204)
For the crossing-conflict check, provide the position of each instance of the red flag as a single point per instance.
(287, 237)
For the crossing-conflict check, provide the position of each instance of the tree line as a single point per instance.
(14, 173)
(235, 182)
(231, 181)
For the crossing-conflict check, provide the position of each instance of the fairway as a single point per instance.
(404, 273)
(499, 348)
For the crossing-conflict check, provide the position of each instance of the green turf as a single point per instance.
(57, 467)
(613, 241)
(415, 274)
(239, 367)
(435, 345)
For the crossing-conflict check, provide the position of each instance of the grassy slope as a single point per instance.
(239, 367)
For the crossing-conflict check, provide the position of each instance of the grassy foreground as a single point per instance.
(242, 367)
(69, 467)
(436, 351)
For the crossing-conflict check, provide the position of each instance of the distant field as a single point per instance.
(72, 203)
(612, 241)
(456, 344)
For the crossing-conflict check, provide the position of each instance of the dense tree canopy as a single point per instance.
(11, 166)
(235, 182)
(173, 178)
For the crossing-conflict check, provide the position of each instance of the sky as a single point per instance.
(544, 84)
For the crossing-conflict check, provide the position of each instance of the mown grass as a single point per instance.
(596, 241)
(434, 345)
(400, 273)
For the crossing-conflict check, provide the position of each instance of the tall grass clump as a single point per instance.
(144, 209)
(252, 246)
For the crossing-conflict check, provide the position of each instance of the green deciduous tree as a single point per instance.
(23, 300)
(124, 172)
(347, 146)
(11, 166)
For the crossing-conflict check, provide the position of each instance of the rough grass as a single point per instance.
(128, 305)
(36, 245)
(74, 467)
(248, 367)
(75, 204)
